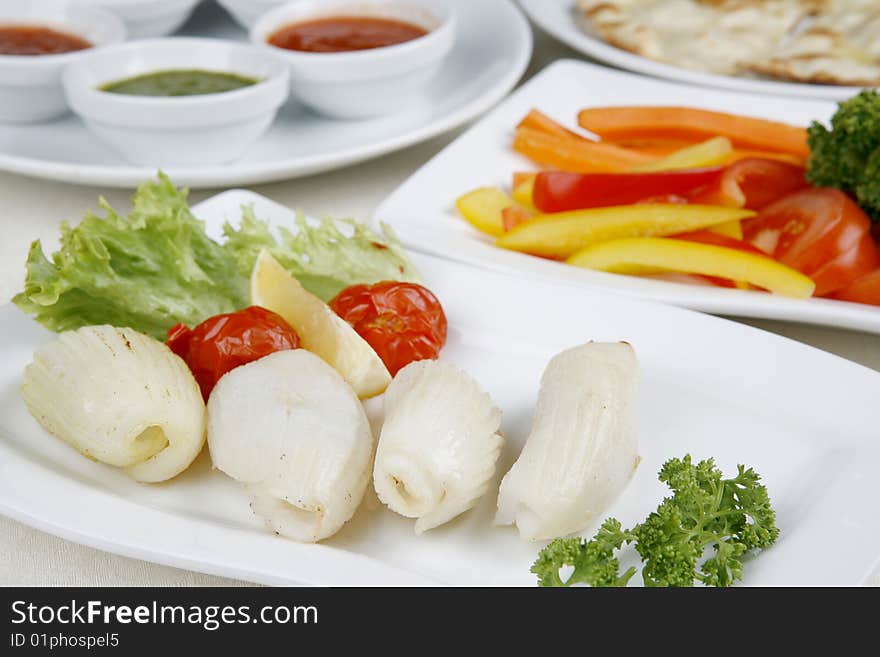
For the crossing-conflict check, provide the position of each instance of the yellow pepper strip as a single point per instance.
(524, 194)
(562, 234)
(713, 152)
(695, 258)
(732, 229)
(482, 209)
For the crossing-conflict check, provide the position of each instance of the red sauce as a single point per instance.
(345, 33)
(36, 40)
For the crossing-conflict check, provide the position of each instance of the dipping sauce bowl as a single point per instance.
(186, 130)
(364, 83)
(30, 85)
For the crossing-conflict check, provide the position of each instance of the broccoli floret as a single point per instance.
(848, 155)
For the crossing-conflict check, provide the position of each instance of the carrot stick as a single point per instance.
(519, 177)
(513, 216)
(576, 155)
(537, 120)
(626, 123)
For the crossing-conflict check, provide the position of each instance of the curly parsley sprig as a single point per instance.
(730, 516)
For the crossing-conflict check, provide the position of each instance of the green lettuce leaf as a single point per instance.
(157, 266)
(325, 256)
(147, 271)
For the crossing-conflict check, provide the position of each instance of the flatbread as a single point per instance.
(705, 35)
(840, 46)
(823, 41)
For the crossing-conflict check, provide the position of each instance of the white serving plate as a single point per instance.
(423, 210)
(804, 419)
(559, 18)
(493, 48)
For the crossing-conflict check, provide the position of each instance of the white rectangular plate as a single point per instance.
(423, 208)
(804, 419)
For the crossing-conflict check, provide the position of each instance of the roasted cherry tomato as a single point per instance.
(752, 183)
(403, 322)
(224, 342)
(821, 233)
(863, 290)
(557, 191)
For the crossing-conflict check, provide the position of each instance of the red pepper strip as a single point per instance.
(557, 191)
(665, 199)
(752, 183)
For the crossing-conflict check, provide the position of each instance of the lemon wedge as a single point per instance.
(320, 329)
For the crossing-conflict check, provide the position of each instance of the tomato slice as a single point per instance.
(752, 183)
(403, 322)
(863, 290)
(850, 266)
(224, 342)
(820, 232)
(557, 191)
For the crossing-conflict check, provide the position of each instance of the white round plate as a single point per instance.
(492, 50)
(559, 19)
(804, 419)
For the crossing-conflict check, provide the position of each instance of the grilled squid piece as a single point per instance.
(292, 431)
(118, 397)
(581, 452)
(438, 446)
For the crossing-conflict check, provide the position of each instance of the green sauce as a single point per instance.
(179, 83)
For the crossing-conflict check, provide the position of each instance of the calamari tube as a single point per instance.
(582, 450)
(119, 397)
(438, 446)
(292, 431)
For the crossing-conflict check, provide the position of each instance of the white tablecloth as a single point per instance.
(31, 209)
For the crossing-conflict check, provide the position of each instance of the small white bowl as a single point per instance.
(362, 84)
(246, 12)
(183, 130)
(30, 85)
(149, 18)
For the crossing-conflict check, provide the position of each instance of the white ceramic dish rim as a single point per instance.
(242, 8)
(739, 303)
(255, 173)
(384, 61)
(548, 15)
(98, 20)
(74, 510)
(178, 112)
(144, 9)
